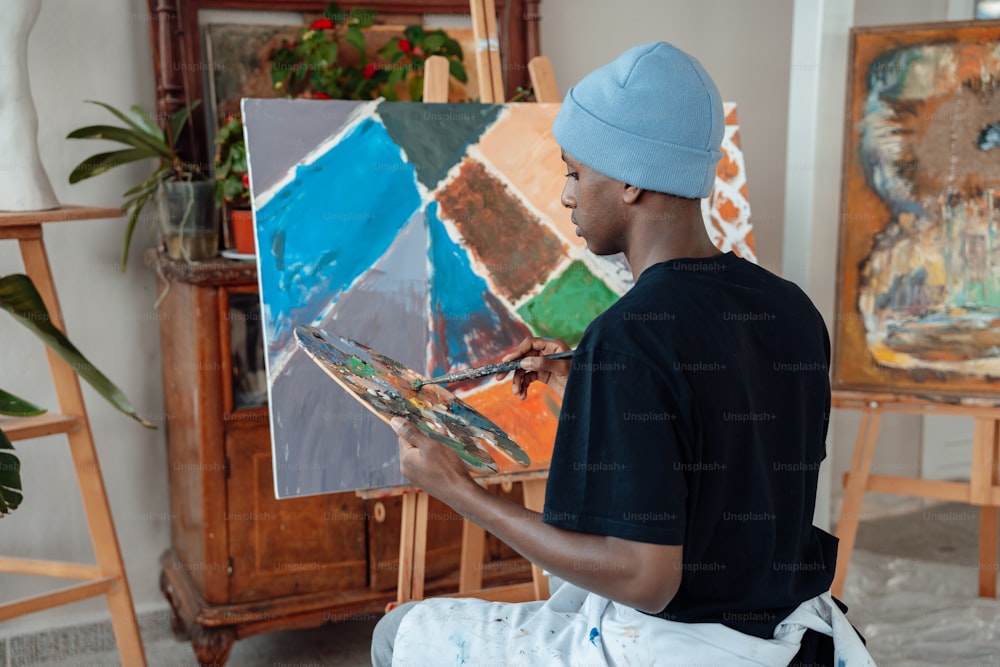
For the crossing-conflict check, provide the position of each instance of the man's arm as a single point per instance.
(639, 575)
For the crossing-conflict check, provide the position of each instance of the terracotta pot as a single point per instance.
(243, 236)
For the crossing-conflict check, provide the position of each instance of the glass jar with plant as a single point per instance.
(180, 189)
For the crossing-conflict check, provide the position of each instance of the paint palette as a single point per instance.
(385, 387)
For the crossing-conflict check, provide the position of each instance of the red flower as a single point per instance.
(322, 24)
(322, 96)
(246, 181)
(417, 51)
(369, 71)
(404, 45)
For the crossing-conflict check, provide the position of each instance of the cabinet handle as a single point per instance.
(379, 512)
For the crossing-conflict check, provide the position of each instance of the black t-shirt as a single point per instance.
(695, 414)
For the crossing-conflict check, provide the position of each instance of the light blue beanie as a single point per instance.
(652, 118)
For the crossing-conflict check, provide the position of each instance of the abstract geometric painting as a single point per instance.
(432, 233)
(919, 288)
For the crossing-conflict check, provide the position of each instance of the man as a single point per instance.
(683, 479)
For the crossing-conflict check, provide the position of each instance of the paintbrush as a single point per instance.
(488, 369)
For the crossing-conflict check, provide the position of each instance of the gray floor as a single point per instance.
(911, 589)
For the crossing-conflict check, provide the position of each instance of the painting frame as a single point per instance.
(874, 349)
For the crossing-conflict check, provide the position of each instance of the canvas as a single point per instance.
(432, 234)
(919, 269)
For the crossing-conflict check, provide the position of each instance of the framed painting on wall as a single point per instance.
(918, 292)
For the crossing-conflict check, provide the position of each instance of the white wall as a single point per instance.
(745, 47)
(89, 50)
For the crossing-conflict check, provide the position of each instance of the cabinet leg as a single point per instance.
(177, 624)
(212, 645)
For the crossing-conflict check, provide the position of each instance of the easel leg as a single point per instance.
(470, 576)
(88, 470)
(981, 483)
(854, 493)
(534, 499)
(412, 547)
(407, 533)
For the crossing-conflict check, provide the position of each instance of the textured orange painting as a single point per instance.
(727, 209)
(918, 304)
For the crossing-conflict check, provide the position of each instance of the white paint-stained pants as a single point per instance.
(574, 627)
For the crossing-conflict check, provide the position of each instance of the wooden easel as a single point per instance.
(108, 576)
(982, 489)
(413, 528)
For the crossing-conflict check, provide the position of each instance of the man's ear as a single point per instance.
(631, 194)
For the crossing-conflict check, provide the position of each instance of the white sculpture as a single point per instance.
(24, 185)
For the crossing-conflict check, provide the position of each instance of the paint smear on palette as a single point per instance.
(510, 241)
(385, 387)
(531, 423)
(568, 304)
(470, 326)
(299, 282)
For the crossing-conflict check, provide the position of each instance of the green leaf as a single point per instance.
(178, 119)
(415, 34)
(356, 38)
(390, 48)
(395, 76)
(417, 88)
(327, 51)
(336, 13)
(118, 114)
(434, 41)
(10, 477)
(136, 205)
(452, 49)
(121, 135)
(19, 297)
(147, 121)
(457, 70)
(17, 407)
(100, 163)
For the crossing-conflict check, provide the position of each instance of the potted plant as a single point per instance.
(181, 190)
(232, 187)
(21, 299)
(312, 65)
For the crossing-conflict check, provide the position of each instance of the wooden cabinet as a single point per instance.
(241, 562)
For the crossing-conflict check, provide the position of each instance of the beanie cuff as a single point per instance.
(640, 161)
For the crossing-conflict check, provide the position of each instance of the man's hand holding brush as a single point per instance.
(536, 368)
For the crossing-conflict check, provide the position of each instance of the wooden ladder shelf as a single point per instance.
(107, 577)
